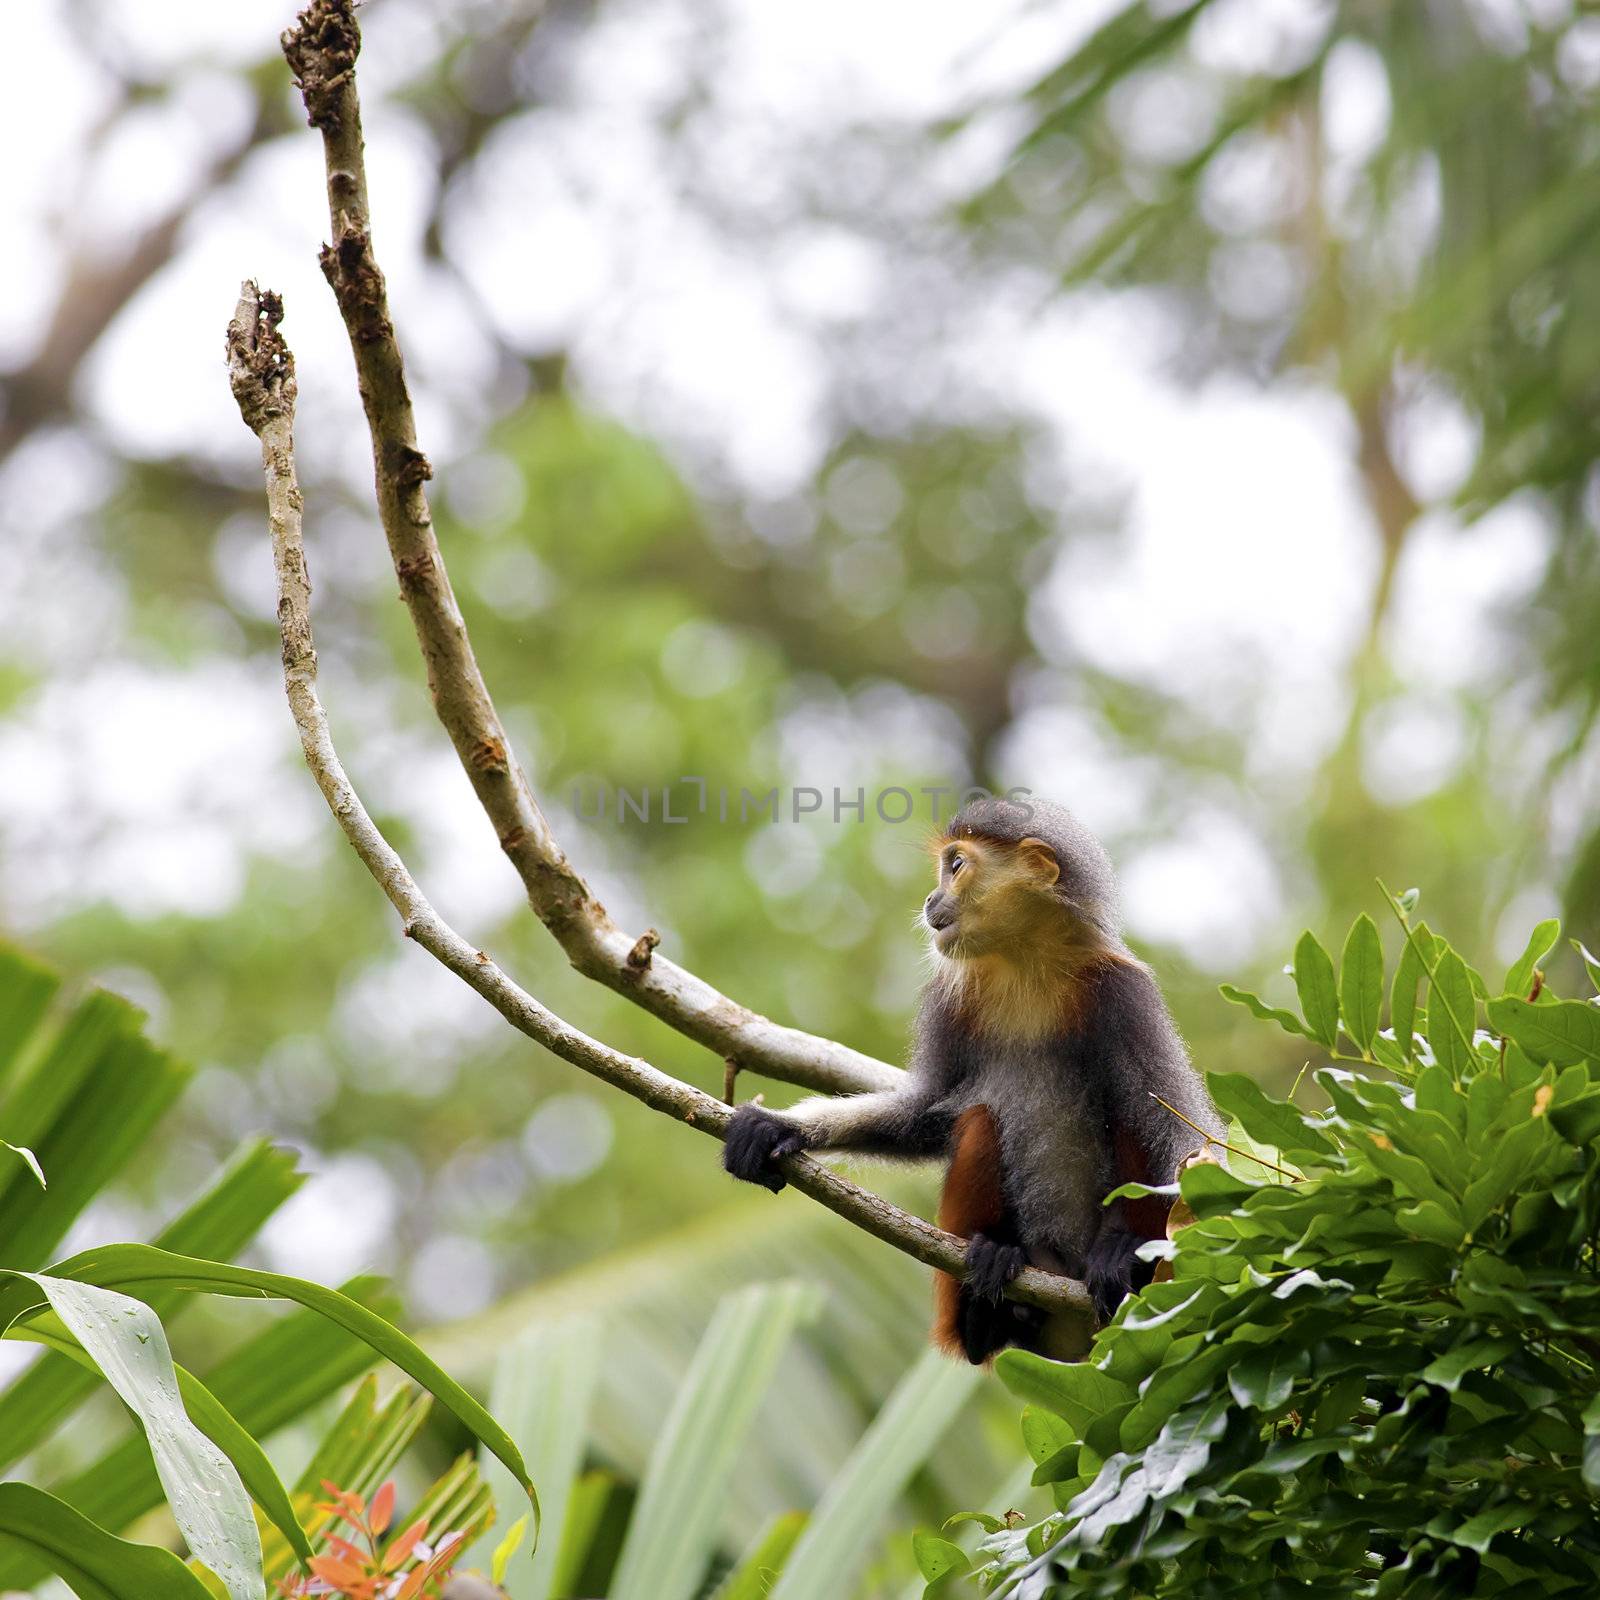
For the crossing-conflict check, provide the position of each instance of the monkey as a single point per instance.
(1039, 1044)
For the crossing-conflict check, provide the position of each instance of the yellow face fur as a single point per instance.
(1005, 944)
(992, 899)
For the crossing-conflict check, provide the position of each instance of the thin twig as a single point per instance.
(321, 49)
(261, 370)
(1233, 1149)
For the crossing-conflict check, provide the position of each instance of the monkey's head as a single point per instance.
(1015, 879)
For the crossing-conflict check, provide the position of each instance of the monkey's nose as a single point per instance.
(938, 912)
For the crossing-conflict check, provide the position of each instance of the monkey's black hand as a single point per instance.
(1113, 1269)
(991, 1265)
(755, 1141)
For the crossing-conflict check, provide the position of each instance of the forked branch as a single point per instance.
(321, 49)
(261, 371)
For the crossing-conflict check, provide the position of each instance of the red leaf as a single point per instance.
(383, 1507)
(399, 1551)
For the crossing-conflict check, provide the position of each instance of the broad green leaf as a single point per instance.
(673, 1533)
(1452, 1014)
(258, 1179)
(1317, 988)
(210, 1416)
(754, 1577)
(900, 1439)
(1471, 1355)
(1566, 1033)
(1258, 1007)
(1073, 1391)
(1361, 981)
(1273, 1122)
(543, 1390)
(92, 1562)
(1519, 980)
(294, 1363)
(1044, 1434)
(1265, 1377)
(936, 1556)
(127, 1342)
(144, 1267)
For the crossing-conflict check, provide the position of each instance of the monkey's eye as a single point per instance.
(957, 862)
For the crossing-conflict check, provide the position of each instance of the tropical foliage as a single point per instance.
(1371, 1369)
(199, 1451)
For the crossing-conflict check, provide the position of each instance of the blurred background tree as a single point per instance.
(1183, 410)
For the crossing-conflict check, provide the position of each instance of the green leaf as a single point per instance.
(1472, 1355)
(211, 1417)
(84, 1105)
(255, 1182)
(1318, 991)
(1408, 973)
(935, 1556)
(507, 1548)
(543, 1393)
(753, 1578)
(127, 1342)
(899, 1440)
(294, 1363)
(1361, 981)
(1044, 1434)
(1567, 1032)
(591, 1539)
(1074, 1391)
(26, 989)
(1265, 1377)
(1452, 1014)
(143, 1266)
(29, 1159)
(1258, 1007)
(676, 1522)
(1519, 980)
(1273, 1122)
(95, 1564)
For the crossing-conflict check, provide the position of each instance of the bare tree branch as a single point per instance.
(321, 49)
(261, 371)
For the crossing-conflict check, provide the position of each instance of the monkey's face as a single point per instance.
(992, 898)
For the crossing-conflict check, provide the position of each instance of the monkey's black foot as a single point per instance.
(755, 1141)
(989, 1326)
(991, 1265)
(1113, 1270)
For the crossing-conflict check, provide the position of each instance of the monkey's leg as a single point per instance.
(988, 1322)
(1112, 1269)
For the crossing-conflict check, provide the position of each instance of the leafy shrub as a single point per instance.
(1373, 1370)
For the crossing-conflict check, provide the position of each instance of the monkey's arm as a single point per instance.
(911, 1121)
(903, 1122)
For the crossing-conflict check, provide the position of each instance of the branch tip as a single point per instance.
(260, 364)
(321, 49)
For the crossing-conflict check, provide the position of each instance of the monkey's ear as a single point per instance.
(1040, 860)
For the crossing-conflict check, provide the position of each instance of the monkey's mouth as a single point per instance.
(946, 935)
